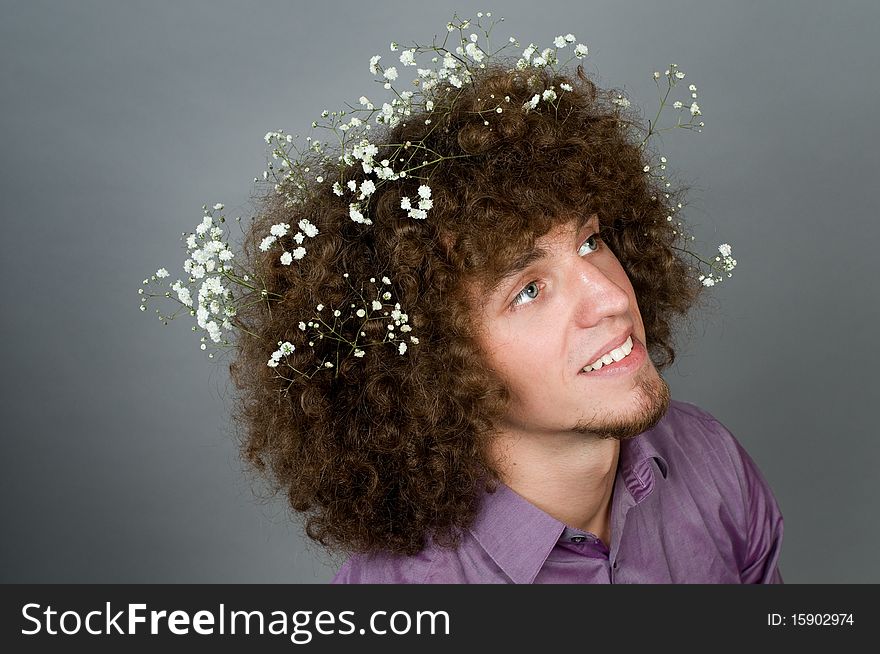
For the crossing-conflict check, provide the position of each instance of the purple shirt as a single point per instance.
(689, 506)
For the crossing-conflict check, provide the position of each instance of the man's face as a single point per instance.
(545, 323)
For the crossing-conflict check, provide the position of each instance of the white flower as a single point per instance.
(407, 58)
(474, 52)
(565, 87)
(424, 191)
(279, 230)
(679, 74)
(218, 206)
(299, 253)
(191, 241)
(426, 204)
(355, 214)
(302, 325)
(418, 214)
(286, 258)
(656, 74)
(360, 313)
(622, 101)
(358, 352)
(161, 273)
(692, 87)
(559, 42)
(724, 249)
(405, 203)
(531, 104)
(390, 73)
(695, 109)
(570, 38)
(708, 281)
(319, 307)
(337, 188)
(376, 305)
(266, 243)
(385, 280)
(367, 187)
(308, 228)
(528, 52)
(402, 348)
(373, 61)
(548, 95)
(677, 104)
(213, 331)
(580, 51)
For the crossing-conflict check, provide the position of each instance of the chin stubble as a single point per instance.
(653, 401)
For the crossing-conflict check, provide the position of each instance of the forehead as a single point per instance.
(538, 248)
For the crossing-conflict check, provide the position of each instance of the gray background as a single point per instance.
(121, 119)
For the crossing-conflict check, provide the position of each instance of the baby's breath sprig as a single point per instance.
(343, 145)
(673, 75)
(352, 340)
(209, 259)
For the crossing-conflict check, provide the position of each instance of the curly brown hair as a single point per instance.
(387, 450)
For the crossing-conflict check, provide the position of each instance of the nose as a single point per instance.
(598, 292)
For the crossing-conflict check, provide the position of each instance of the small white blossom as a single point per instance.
(367, 187)
(695, 109)
(677, 104)
(279, 230)
(310, 230)
(565, 87)
(581, 51)
(161, 273)
(390, 73)
(559, 42)
(286, 258)
(376, 305)
(358, 352)
(373, 67)
(402, 348)
(724, 249)
(679, 74)
(405, 203)
(407, 58)
(548, 95)
(424, 191)
(266, 243)
(299, 253)
(531, 104)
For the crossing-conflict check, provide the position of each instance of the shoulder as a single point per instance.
(702, 452)
(432, 565)
(384, 568)
(686, 429)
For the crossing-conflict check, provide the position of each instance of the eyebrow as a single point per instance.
(537, 253)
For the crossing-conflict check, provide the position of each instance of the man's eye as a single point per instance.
(520, 298)
(585, 250)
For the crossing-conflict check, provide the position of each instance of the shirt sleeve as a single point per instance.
(764, 526)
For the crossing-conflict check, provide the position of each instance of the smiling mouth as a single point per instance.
(609, 358)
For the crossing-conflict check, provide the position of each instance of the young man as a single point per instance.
(522, 433)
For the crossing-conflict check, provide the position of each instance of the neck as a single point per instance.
(570, 476)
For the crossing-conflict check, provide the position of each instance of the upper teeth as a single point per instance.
(616, 354)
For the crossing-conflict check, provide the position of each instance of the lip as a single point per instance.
(615, 342)
(626, 366)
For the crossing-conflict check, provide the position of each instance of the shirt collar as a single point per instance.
(519, 536)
